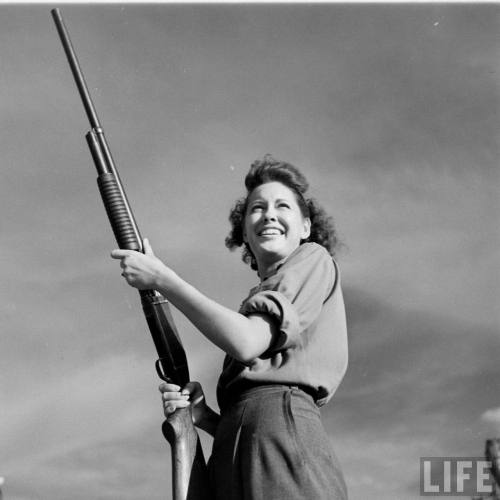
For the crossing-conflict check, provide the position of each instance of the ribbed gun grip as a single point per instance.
(118, 214)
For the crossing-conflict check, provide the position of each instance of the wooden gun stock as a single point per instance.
(189, 472)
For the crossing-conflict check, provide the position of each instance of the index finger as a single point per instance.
(166, 387)
(119, 254)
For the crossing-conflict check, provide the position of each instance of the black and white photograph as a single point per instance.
(250, 251)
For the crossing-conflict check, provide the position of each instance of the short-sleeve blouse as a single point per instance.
(305, 299)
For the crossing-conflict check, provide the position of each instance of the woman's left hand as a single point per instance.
(141, 270)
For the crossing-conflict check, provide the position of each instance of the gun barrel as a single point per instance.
(172, 362)
(75, 68)
(99, 147)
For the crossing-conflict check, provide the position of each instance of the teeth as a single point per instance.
(270, 232)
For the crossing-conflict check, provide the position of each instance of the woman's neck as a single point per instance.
(265, 269)
(268, 269)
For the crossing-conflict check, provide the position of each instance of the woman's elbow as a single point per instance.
(245, 354)
(254, 341)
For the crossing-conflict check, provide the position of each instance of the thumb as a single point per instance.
(195, 392)
(147, 247)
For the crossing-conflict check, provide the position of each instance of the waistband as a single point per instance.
(250, 390)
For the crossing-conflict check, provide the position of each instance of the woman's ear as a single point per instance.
(307, 228)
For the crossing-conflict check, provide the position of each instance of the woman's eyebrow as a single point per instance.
(256, 200)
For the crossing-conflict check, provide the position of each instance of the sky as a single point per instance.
(391, 111)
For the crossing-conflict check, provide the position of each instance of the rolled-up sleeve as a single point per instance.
(295, 294)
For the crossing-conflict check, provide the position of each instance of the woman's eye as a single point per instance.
(284, 205)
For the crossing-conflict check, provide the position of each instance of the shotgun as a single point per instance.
(188, 465)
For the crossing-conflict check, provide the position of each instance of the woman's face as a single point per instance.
(274, 224)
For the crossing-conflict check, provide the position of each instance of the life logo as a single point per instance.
(456, 476)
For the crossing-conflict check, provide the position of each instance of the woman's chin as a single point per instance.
(272, 252)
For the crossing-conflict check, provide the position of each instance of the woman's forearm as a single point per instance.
(243, 338)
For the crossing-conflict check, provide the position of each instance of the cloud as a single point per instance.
(492, 417)
(83, 407)
(412, 389)
(96, 429)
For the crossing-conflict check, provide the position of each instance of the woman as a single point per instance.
(286, 347)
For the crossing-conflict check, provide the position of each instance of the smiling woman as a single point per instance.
(286, 347)
(274, 225)
(266, 170)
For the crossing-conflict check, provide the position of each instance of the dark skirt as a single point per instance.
(270, 445)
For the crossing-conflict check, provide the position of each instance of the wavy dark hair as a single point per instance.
(269, 169)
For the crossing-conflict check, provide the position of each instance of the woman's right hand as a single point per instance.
(190, 395)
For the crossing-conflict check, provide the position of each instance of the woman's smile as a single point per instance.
(271, 231)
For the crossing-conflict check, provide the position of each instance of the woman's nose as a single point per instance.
(270, 214)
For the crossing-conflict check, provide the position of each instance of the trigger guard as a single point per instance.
(160, 372)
